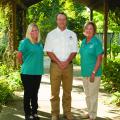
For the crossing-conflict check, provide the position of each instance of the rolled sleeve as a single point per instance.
(99, 48)
(21, 47)
(75, 44)
(48, 44)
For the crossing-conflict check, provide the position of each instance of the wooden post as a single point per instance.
(106, 10)
(14, 24)
(24, 22)
(91, 14)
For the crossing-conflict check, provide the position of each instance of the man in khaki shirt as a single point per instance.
(61, 47)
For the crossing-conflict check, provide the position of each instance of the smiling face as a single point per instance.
(61, 21)
(34, 33)
(89, 31)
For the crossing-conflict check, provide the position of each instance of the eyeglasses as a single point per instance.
(34, 31)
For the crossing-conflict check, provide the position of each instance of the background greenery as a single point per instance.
(44, 14)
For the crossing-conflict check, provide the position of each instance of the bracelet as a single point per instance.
(93, 72)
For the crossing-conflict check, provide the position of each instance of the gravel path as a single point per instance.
(14, 110)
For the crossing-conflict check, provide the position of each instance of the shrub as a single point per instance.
(9, 82)
(76, 60)
(5, 91)
(4, 70)
(14, 81)
(111, 77)
(116, 98)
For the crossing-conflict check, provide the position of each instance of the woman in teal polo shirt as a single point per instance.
(91, 52)
(30, 56)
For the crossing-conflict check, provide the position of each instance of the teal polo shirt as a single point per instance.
(89, 53)
(32, 56)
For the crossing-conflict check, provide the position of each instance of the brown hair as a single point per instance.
(91, 23)
(61, 13)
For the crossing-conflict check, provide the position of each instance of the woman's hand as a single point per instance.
(92, 77)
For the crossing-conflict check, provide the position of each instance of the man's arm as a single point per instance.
(70, 58)
(54, 58)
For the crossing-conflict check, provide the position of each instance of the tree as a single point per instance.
(44, 14)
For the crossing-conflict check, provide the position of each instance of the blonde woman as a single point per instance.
(30, 56)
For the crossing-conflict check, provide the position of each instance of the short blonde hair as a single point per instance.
(91, 23)
(29, 29)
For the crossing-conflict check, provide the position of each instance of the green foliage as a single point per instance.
(4, 70)
(115, 45)
(76, 60)
(114, 19)
(5, 91)
(3, 43)
(14, 81)
(115, 50)
(111, 77)
(77, 21)
(98, 19)
(116, 98)
(44, 14)
(3, 29)
(9, 82)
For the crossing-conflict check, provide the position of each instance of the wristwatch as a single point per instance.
(93, 72)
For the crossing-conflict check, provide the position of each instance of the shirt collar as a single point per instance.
(58, 29)
(92, 39)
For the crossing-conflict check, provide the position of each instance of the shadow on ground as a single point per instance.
(14, 111)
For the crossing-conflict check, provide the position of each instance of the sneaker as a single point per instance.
(28, 117)
(55, 117)
(35, 117)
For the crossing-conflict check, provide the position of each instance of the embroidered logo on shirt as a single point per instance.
(91, 46)
(71, 37)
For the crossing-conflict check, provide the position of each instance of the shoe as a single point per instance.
(28, 117)
(55, 117)
(68, 117)
(35, 117)
(85, 116)
(92, 119)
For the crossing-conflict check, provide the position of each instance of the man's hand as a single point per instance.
(64, 64)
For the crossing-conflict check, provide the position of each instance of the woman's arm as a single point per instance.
(19, 57)
(98, 63)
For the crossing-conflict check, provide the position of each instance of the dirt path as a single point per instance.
(14, 110)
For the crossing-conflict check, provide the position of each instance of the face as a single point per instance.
(34, 33)
(61, 21)
(89, 31)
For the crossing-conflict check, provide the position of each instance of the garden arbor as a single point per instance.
(17, 26)
(17, 18)
(104, 6)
